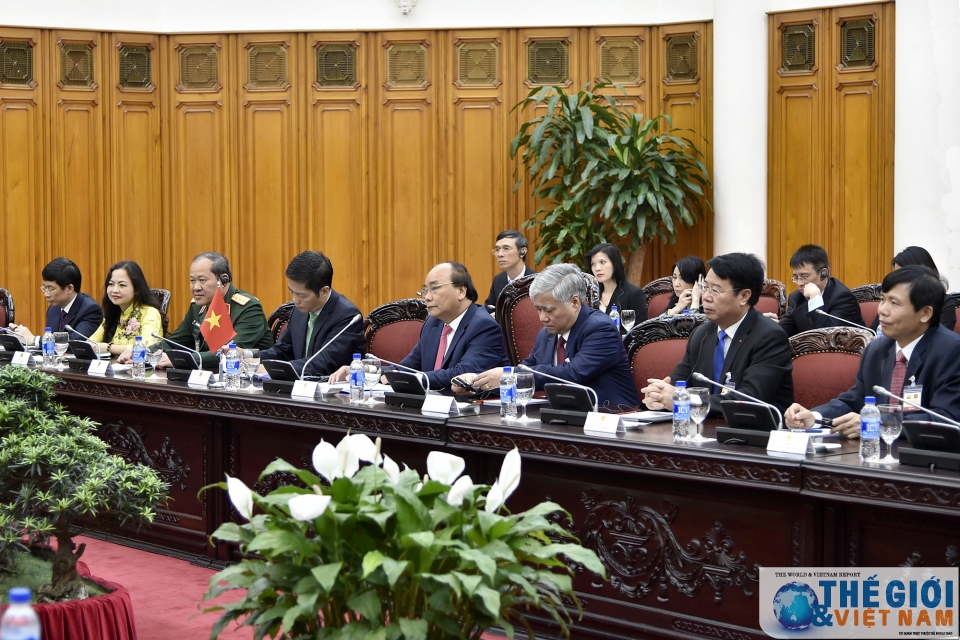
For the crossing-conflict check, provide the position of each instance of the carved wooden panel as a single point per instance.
(620, 60)
(267, 67)
(478, 64)
(76, 64)
(683, 62)
(16, 62)
(136, 67)
(548, 62)
(858, 43)
(406, 65)
(799, 47)
(199, 68)
(336, 64)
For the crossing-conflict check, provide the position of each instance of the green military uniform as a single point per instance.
(248, 319)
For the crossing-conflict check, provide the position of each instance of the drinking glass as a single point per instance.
(525, 387)
(628, 318)
(154, 355)
(891, 422)
(250, 363)
(699, 408)
(371, 376)
(61, 340)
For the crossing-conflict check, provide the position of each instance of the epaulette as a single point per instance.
(240, 299)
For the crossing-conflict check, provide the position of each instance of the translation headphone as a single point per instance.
(523, 252)
(824, 273)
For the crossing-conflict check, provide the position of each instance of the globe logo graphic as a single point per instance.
(794, 605)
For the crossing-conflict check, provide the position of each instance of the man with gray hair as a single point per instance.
(577, 343)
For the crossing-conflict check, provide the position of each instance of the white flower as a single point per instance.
(494, 498)
(341, 461)
(391, 469)
(348, 462)
(444, 467)
(240, 496)
(308, 506)
(510, 473)
(459, 490)
(362, 446)
(325, 460)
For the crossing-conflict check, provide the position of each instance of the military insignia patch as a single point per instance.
(240, 299)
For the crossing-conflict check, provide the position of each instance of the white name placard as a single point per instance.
(783, 441)
(21, 358)
(98, 367)
(603, 423)
(439, 404)
(304, 390)
(199, 378)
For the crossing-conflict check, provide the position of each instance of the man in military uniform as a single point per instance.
(206, 272)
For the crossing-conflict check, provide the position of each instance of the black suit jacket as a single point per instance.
(935, 362)
(629, 296)
(335, 315)
(85, 316)
(759, 361)
(499, 282)
(838, 300)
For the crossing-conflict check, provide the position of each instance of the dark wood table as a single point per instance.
(682, 528)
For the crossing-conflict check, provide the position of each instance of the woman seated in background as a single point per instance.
(606, 264)
(920, 256)
(687, 276)
(130, 309)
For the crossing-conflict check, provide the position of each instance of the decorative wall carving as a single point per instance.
(953, 556)
(795, 548)
(127, 442)
(199, 68)
(707, 630)
(831, 339)
(867, 292)
(682, 63)
(478, 64)
(888, 490)
(620, 60)
(91, 387)
(275, 480)
(336, 65)
(853, 549)
(798, 48)
(406, 66)
(76, 64)
(16, 62)
(267, 67)
(548, 62)
(858, 43)
(913, 560)
(136, 67)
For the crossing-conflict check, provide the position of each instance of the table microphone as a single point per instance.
(177, 344)
(15, 334)
(352, 322)
(426, 380)
(86, 338)
(877, 389)
(596, 400)
(776, 412)
(853, 324)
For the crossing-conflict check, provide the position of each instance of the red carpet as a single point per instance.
(165, 592)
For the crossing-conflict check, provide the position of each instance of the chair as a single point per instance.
(869, 298)
(825, 362)
(6, 308)
(955, 297)
(164, 296)
(278, 320)
(773, 298)
(658, 295)
(394, 328)
(656, 346)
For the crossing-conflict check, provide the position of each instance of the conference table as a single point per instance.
(682, 528)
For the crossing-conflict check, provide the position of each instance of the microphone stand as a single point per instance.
(405, 399)
(596, 399)
(180, 374)
(881, 391)
(85, 338)
(220, 369)
(285, 386)
(744, 436)
(852, 324)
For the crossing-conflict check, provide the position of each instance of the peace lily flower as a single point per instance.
(494, 498)
(506, 484)
(444, 467)
(459, 490)
(308, 507)
(391, 469)
(240, 496)
(362, 446)
(325, 460)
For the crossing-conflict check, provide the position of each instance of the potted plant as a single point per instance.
(605, 174)
(54, 472)
(387, 554)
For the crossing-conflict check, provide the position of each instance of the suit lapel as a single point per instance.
(743, 332)
(887, 363)
(322, 317)
(458, 334)
(915, 364)
(431, 345)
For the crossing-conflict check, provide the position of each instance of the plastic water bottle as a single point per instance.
(870, 430)
(615, 315)
(139, 371)
(681, 410)
(20, 621)
(356, 379)
(508, 394)
(231, 369)
(49, 349)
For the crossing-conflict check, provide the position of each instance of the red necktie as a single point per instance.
(442, 349)
(63, 319)
(561, 350)
(899, 375)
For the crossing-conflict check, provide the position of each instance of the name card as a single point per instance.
(98, 367)
(199, 378)
(304, 389)
(21, 358)
(603, 423)
(439, 404)
(793, 442)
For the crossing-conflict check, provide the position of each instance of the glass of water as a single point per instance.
(525, 387)
(250, 363)
(699, 408)
(154, 355)
(628, 318)
(61, 341)
(891, 422)
(371, 376)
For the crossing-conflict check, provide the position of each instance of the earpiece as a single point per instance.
(824, 273)
(523, 252)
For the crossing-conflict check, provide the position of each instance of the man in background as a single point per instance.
(68, 305)
(511, 254)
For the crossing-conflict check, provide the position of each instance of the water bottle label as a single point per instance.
(232, 367)
(681, 411)
(356, 378)
(508, 394)
(49, 348)
(870, 428)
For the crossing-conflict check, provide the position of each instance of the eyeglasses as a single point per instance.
(432, 289)
(713, 291)
(46, 289)
(801, 277)
(502, 250)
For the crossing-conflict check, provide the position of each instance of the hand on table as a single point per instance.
(658, 394)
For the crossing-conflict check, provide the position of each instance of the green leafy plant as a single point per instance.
(385, 554)
(605, 174)
(53, 472)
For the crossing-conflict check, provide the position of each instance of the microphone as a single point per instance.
(15, 334)
(774, 411)
(854, 324)
(425, 379)
(352, 322)
(881, 391)
(86, 338)
(193, 352)
(596, 400)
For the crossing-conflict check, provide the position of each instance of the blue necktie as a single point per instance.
(718, 359)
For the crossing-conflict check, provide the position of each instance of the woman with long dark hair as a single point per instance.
(606, 264)
(686, 277)
(130, 309)
(920, 256)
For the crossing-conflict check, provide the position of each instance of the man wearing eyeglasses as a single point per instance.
(458, 336)
(817, 291)
(511, 254)
(737, 345)
(68, 306)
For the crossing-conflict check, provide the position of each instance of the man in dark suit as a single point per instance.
(458, 336)
(68, 306)
(320, 314)
(913, 347)
(754, 354)
(577, 343)
(818, 290)
(511, 253)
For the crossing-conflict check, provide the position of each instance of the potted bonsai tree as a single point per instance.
(387, 554)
